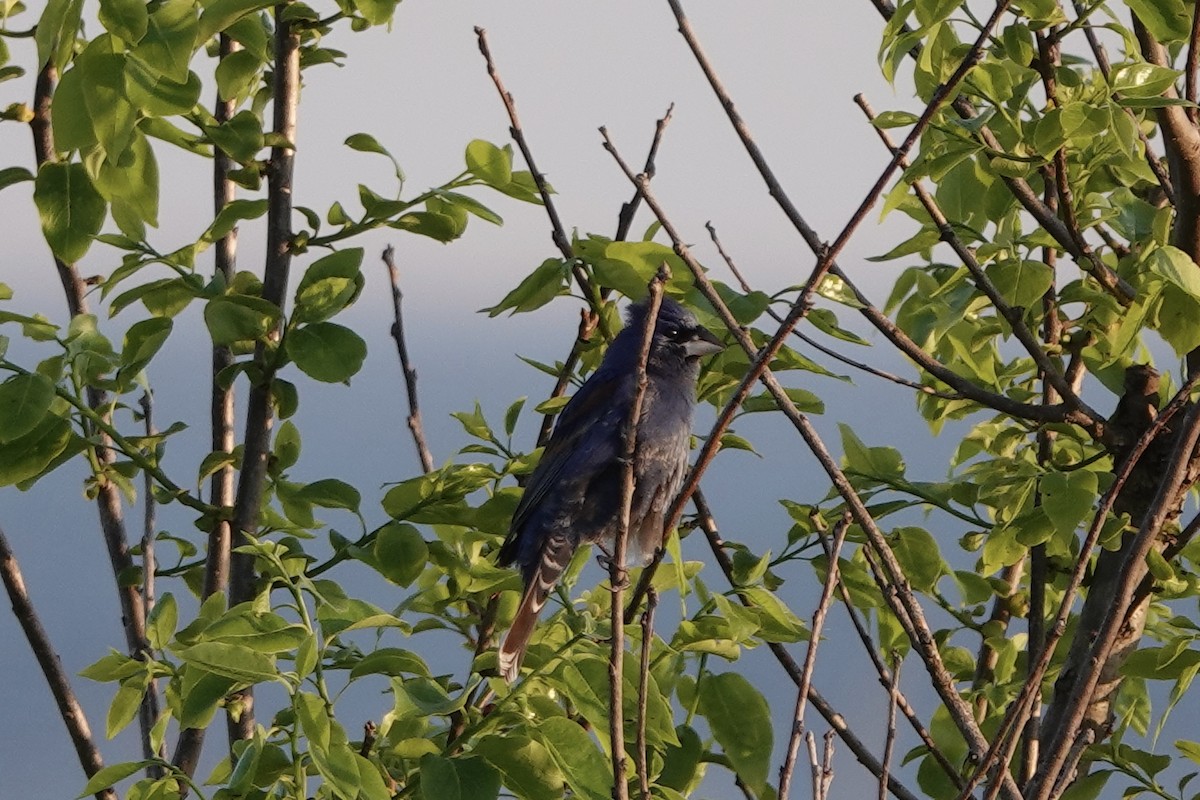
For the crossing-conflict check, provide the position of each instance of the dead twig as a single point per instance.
(410, 372)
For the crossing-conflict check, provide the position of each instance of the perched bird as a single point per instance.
(574, 494)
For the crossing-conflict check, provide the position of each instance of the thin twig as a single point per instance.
(410, 372)
(616, 569)
(558, 233)
(890, 741)
(810, 659)
(589, 319)
(850, 362)
(643, 761)
(1193, 64)
(52, 669)
(836, 721)
(629, 209)
(148, 711)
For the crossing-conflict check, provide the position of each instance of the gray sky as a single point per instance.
(421, 89)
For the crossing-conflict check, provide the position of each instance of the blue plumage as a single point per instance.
(574, 494)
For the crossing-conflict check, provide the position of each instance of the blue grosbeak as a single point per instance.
(574, 494)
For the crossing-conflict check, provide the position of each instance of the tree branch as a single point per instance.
(810, 660)
(56, 677)
(108, 497)
(259, 414)
(410, 372)
(617, 576)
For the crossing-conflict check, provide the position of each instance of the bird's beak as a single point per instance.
(703, 343)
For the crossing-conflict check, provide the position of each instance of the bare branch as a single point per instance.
(558, 233)
(890, 739)
(643, 762)
(629, 209)
(410, 372)
(56, 677)
(810, 659)
(617, 576)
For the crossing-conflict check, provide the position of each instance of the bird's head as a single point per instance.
(678, 339)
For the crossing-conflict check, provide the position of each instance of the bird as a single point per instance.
(574, 495)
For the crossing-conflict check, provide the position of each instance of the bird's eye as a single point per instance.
(672, 333)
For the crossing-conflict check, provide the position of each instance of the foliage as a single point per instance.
(1040, 156)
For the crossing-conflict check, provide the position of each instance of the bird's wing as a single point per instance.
(586, 437)
(555, 556)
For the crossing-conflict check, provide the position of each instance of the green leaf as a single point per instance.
(326, 351)
(882, 463)
(102, 74)
(24, 403)
(287, 445)
(111, 775)
(113, 667)
(70, 208)
(332, 493)
(390, 661)
(583, 765)
(130, 182)
(1167, 20)
(1022, 283)
(1067, 498)
(220, 14)
(25, 457)
(69, 115)
(126, 19)
(237, 74)
(161, 624)
(527, 767)
(56, 30)
(158, 95)
(489, 163)
(1142, 80)
(170, 40)
(740, 721)
(124, 706)
(143, 340)
(237, 318)
(238, 662)
(536, 290)
(376, 12)
(241, 137)
(400, 553)
(459, 778)
(231, 214)
(329, 285)
(10, 176)
(918, 553)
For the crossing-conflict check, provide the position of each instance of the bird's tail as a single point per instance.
(555, 556)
